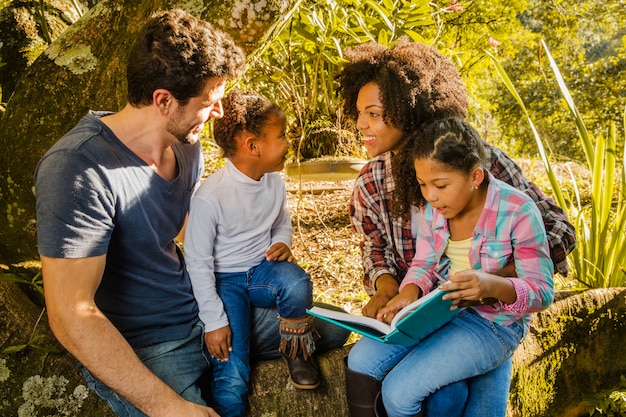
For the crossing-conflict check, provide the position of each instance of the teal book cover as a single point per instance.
(412, 324)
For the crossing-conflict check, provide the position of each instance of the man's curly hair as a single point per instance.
(180, 53)
(452, 142)
(242, 112)
(418, 84)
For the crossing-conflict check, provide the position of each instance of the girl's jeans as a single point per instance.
(271, 283)
(466, 347)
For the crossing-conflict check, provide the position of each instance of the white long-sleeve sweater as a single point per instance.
(233, 220)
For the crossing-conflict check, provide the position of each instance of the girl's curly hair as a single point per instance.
(418, 84)
(452, 142)
(242, 112)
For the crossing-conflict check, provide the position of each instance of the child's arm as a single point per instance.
(282, 231)
(533, 289)
(407, 295)
(534, 284)
(428, 248)
(472, 285)
(199, 251)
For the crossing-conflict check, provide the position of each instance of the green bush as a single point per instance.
(611, 403)
(599, 259)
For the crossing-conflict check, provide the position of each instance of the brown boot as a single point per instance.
(363, 395)
(297, 343)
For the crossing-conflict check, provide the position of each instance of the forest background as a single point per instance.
(569, 140)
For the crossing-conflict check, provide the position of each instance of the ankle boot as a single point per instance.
(363, 394)
(297, 343)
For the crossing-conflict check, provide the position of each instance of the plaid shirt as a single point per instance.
(388, 246)
(510, 229)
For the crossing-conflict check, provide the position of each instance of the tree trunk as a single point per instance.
(84, 69)
(26, 29)
(574, 348)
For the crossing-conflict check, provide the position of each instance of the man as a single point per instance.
(112, 195)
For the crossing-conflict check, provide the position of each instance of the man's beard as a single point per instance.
(184, 135)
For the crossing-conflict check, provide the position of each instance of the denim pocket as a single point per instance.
(510, 336)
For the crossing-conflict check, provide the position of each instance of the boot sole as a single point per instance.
(300, 386)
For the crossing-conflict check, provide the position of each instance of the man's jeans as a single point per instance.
(182, 364)
(185, 366)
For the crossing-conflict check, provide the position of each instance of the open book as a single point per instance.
(410, 325)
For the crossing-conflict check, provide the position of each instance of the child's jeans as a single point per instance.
(466, 347)
(270, 284)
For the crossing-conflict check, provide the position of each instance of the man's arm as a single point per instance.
(70, 286)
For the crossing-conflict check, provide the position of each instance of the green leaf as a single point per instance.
(13, 349)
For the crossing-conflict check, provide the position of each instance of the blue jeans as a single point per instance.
(182, 364)
(185, 366)
(484, 395)
(466, 347)
(283, 285)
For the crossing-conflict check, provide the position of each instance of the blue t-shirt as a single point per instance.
(96, 197)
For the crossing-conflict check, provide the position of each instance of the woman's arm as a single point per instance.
(370, 217)
(560, 233)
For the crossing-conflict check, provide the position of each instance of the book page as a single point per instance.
(413, 306)
(379, 326)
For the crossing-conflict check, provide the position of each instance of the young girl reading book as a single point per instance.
(471, 223)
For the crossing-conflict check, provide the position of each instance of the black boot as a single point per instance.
(363, 395)
(296, 346)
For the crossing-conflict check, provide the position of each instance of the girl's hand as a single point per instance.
(279, 252)
(464, 285)
(408, 294)
(471, 287)
(218, 343)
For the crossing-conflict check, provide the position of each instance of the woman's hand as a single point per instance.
(386, 289)
(218, 343)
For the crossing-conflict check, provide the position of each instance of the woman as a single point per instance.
(391, 93)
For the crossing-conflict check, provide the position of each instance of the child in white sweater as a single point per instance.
(237, 246)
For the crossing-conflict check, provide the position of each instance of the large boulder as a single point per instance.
(575, 348)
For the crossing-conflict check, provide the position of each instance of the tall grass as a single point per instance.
(599, 259)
